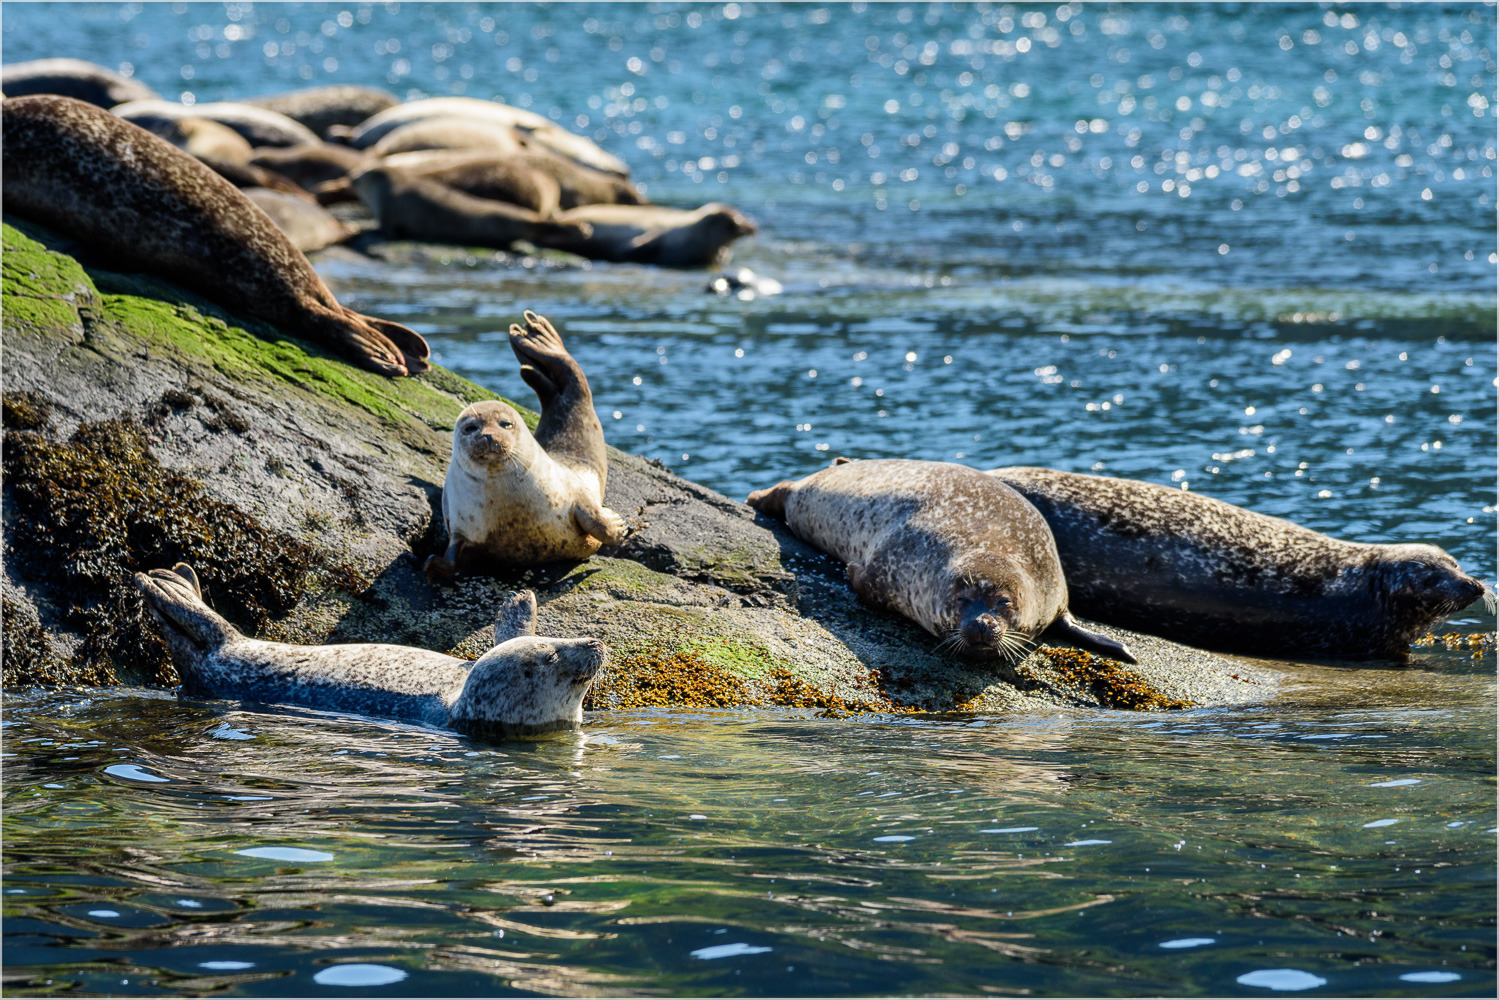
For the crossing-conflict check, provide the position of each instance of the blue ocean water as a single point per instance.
(1245, 249)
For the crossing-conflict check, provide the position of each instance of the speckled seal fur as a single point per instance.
(525, 684)
(513, 500)
(1197, 570)
(956, 551)
(147, 206)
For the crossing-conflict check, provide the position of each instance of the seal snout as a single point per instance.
(595, 655)
(983, 630)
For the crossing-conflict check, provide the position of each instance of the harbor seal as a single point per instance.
(310, 164)
(654, 234)
(258, 126)
(74, 78)
(514, 500)
(446, 133)
(147, 206)
(321, 108)
(956, 551)
(486, 174)
(1197, 570)
(307, 224)
(411, 207)
(525, 684)
(527, 124)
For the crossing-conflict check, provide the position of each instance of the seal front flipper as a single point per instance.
(193, 631)
(598, 521)
(546, 391)
(1064, 629)
(516, 617)
(569, 429)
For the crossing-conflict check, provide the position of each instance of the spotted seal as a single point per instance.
(147, 206)
(958, 552)
(654, 234)
(74, 78)
(1197, 570)
(513, 500)
(525, 684)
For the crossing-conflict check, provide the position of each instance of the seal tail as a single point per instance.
(1065, 629)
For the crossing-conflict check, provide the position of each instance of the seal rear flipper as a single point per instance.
(772, 502)
(173, 598)
(1064, 629)
(598, 521)
(516, 617)
(413, 346)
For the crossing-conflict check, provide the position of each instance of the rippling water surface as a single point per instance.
(1244, 249)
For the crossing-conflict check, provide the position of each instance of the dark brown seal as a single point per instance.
(309, 164)
(417, 208)
(523, 685)
(486, 174)
(147, 206)
(654, 234)
(74, 78)
(956, 551)
(1197, 570)
(513, 500)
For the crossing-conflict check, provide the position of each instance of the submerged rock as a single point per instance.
(144, 425)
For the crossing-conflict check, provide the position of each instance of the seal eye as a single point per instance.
(506, 424)
(469, 427)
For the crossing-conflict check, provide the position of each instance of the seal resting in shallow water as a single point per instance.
(412, 207)
(653, 234)
(956, 551)
(1197, 570)
(147, 206)
(523, 685)
(513, 500)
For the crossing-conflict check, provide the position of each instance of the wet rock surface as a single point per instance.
(338, 473)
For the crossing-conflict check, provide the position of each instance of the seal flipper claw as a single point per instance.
(1065, 629)
(186, 572)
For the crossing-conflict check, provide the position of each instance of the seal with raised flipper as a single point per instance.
(956, 551)
(513, 500)
(145, 205)
(1190, 568)
(525, 684)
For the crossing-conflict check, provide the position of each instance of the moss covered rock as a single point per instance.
(145, 425)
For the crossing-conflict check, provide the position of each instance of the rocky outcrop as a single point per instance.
(145, 425)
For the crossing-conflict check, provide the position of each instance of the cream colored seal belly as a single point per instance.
(1197, 570)
(144, 205)
(525, 684)
(513, 500)
(956, 551)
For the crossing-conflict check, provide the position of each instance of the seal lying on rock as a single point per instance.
(147, 206)
(307, 224)
(956, 551)
(258, 126)
(523, 685)
(75, 78)
(653, 234)
(513, 500)
(321, 108)
(1197, 570)
(411, 207)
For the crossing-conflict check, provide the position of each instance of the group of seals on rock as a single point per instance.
(956, 551)
(525, 684)
(142, 203)
(974, 565)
